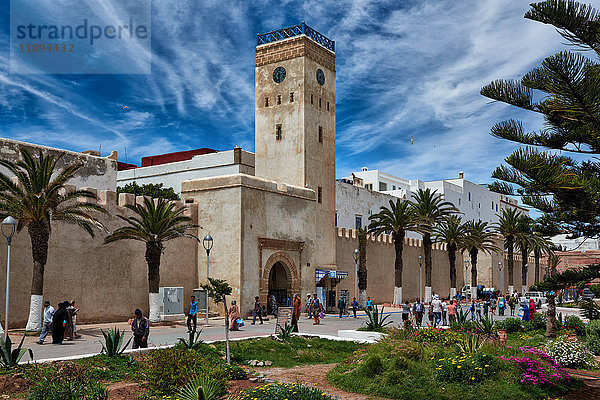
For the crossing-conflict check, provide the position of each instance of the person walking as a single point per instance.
(436, 306)
(531, 309)
(234, 315)
(512, 302)
(341, 305)
(309, 305)
(369, 304)
(452, 312)
(272, 304)
(493, 305)
(354, 306)
(297, 306)
(69, 327)
(257, 310)
(478, 310)
(192, 315)
(60, 320)
(73, 311)
(288, 301)
(472, 309)
(405, 312)
(444, 313)
(430, 314)
(316, 310)
(486, 308)
(418, 311)
(525, 309)
(501, 306)
(140, 329)
(47, 323)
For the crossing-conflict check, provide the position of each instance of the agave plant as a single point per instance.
(10, 357)
(285, 332)
(377, 320)
(486, 327)
(113, 342)
(193, 340)
(461, 315)
(200, 388)
(470, 343)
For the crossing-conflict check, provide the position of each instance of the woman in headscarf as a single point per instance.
(59, 322)
(234, 315)
(531, 309)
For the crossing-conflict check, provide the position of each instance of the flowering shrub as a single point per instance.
(277, 391)
(592, 335)
(474, 368)
(539, 368)
(575, 323)
(570, 353)
(438, 336)
(511, 324)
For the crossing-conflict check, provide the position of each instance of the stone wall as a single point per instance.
(108, 282)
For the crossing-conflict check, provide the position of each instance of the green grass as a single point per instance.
(295, 351)
(114, 369)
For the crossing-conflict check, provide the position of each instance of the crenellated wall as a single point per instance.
(108, 282)
(380, 267)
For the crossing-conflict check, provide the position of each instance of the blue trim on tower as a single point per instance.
(296, 30)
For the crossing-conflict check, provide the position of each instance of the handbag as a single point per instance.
(322, 315)
(240, 322)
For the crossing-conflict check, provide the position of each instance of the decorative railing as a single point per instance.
(296, 30)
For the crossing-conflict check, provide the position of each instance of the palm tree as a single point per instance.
(362, 267)
(452, 233)
(397, 219)
(154, 222)
(479, 237)
(523, 243)
(430, 209)
(508, 227)
(540, 246)
(37, 198)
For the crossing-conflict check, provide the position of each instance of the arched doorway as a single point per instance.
(279, 283)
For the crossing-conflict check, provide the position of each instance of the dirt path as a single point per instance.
(310, 375)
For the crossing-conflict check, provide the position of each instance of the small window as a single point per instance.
(382, 186)
(278, 99)
(320, 134)
(291, 97)
(393, 187)
(320, 194)
(479, 205)
(319, 102)
(358, 222)
(278, 133)
(327, 106)
(311, 99)
(336, 218)
(469, 196)
(492, 206)
(496, 207)
(266, 102)
(459, 202)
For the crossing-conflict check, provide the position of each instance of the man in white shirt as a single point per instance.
(436, 304)
(47, 325)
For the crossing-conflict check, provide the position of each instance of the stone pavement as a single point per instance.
(91, 335)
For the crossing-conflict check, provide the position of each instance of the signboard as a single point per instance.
(284, 316)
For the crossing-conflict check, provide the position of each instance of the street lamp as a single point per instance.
(356, 255)
(208, 244)
(9, 226)
(466, 279)
(500, 270)
(420, 278)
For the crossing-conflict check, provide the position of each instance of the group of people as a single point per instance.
(440, 311)
(60, 323)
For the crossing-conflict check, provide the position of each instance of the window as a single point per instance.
(320, 194)
(358, 222)
(393, 187)
(278, 133)
(266, 102)
(459, 201)
(291, 97)
(320, 134)
(311, 98)
(319, 102)
(496, 207)
(369, 186)
(469, 196)
(278, 99)
(327, 106)
(336, 218)
(492, 206)
(382, 186)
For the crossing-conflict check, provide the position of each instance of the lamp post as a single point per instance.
(420, 278)
(208, 244)
(500, 270)
(467, 279)
(356, 255)
(9, 226)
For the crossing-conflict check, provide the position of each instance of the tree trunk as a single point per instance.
(510, 262)
(362, 267)
(226, 332)
(153, 254)
(524, 267)
(473, 252)
(39, 235)
(398, 266)
(551, 317)
(427, 253)
(536, 255)
(452, 262)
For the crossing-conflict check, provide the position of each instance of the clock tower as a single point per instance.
(295, 119)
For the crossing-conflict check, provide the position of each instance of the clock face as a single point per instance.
(279, 75)
(320, 77)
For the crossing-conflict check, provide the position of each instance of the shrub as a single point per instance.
(199, 388)
(444, 337)
(596, 289)
(113, 342)
(377, 320)
(575, 323)
(372, 365)
(511, 325)
(538, 322)
(287, 391)
(592, 336)
(570, 353)
(66, 381)
(10, 357)
(467, 368)
(169, 369)
(538, 371)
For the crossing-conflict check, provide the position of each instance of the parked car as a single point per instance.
(539, 298)
(587, 294)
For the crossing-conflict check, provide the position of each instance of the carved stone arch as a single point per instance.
(291, 271)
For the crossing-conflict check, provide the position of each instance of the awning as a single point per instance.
(322, 273)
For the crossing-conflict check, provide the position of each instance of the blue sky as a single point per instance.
(404, 69)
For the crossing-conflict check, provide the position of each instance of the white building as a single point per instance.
(579, 244)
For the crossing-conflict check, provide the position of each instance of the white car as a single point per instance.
(538, 298)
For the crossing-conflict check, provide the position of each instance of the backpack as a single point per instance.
(420, 308)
